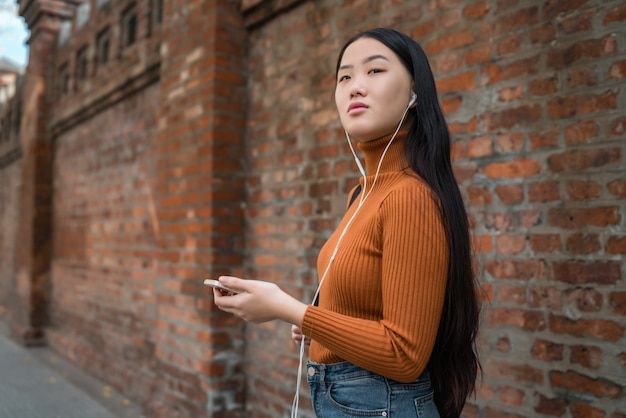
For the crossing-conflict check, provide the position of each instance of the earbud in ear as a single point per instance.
(413, 99)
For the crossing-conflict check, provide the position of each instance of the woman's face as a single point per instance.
(373, 90)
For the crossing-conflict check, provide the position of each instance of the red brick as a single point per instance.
(448, 62)
(587, 49)
(574, 218)
(545, 297)
(460, 82)
(550, 406)
(479, 54)
(479, 147)
(587, 356)
(510, 194)
(618, 70)
(509, 94)
(515, 269)
(616, 245)
(465, 173)
(595, 328)
(460, 127)
(545, 139)
(544, 192)
(547, 351)
(514, 20)
(583, 243)
(496, 413)
(584, 159)
(583, 190)
(482, 244)
(510, 244)
(619, 127)
(585, 76)
(507, 294)
(543, 86)
(581, 132)
(450, 41)
(450, 105)
(617, 188)
(552, 8)
(543, 34)
(511, 395)
(510, 45)
(479, 195)
(523, 319)
(580, 272)
(518, 372)
(577, 23)
(617, 300)
(509, 118)
(521, 167)
(495, 73)
(570, 106)
(509, 142)
(546, 243)
(504, 344)
(616, 14)
(476, 11)
(585, 300)
(581, 410)
(580, 383)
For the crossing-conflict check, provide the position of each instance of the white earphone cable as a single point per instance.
(363, 198)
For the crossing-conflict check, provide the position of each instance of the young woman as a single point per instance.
(394, 331)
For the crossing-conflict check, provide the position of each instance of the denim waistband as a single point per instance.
(334, 372)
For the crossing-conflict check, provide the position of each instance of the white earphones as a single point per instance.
(413, 99)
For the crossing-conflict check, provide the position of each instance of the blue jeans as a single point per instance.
(342, 390)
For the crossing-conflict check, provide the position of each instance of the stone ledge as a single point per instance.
(257, 12)
(150, 75)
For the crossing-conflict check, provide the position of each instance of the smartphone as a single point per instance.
(216, 284)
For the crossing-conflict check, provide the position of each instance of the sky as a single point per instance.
(13, 34)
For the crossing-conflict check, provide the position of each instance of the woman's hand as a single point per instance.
(259, 301)
(296, 336)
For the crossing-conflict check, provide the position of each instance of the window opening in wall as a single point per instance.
(129, 25)
(64, 80)
(18, 117)
(103, 45)
(155, 16)
(6, 124)
(158, 11)
(81, 66)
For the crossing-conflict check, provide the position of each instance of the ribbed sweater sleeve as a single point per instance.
(384, 314)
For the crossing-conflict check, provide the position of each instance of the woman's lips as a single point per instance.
(356, 108)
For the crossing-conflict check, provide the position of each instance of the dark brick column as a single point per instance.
(198, 203)
(28, 310)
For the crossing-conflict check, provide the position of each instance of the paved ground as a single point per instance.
(37, 383)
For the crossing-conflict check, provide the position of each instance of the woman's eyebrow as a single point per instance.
(365, 61)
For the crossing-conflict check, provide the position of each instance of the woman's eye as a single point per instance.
(344, 77)
(375, 71)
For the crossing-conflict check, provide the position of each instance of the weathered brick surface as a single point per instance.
(211, 144)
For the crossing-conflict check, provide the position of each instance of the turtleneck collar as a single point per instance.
(395, 158)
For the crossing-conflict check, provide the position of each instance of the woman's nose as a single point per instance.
(357, 89)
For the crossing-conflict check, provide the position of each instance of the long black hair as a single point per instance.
(454, 362)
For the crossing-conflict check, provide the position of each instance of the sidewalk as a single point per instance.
(37, 383)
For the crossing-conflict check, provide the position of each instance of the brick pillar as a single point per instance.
(198, 193)
(28, 310)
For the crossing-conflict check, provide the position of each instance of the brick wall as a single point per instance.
(533, 92)
(10, 178)
(210, 144)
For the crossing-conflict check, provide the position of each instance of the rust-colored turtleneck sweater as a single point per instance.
(381, 301)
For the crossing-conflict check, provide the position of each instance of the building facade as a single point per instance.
(159, 142)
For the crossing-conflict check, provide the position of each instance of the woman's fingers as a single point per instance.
(296, 336)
